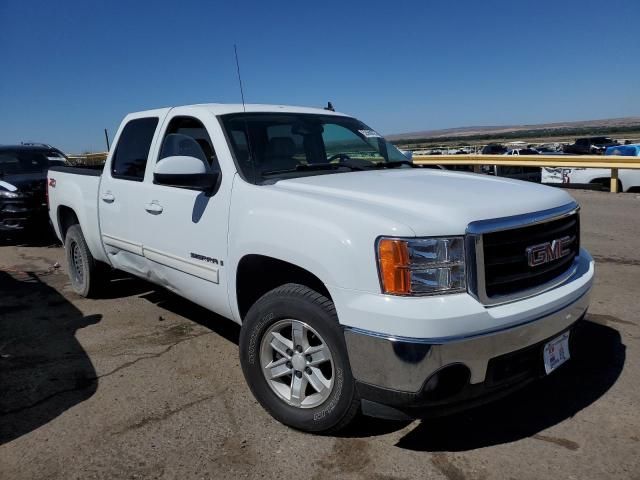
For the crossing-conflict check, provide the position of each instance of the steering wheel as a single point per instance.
(341, 156)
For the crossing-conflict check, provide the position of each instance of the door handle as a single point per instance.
(153, 208)
(108, 197)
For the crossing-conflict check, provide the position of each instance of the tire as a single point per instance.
(84, 272)
(327, 409)
(605, 184)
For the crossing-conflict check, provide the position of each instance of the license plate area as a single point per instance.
(556, 352)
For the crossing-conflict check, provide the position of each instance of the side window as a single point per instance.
(188, 136)
(130, 158)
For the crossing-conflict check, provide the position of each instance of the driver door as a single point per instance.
(185, 230)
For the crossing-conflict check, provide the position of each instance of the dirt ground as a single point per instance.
(142, 384)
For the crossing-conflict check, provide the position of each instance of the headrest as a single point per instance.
(176, 144)
(281, 147)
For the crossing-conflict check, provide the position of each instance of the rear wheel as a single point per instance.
(295, 361)
(82, 267)
(605, 184)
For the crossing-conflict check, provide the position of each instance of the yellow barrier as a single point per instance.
(88, 158)
(613, 162)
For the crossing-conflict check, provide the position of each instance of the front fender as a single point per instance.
(332, 240)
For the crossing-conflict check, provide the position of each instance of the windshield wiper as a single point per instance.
(395, 163)
(313, 167)
(345, 164)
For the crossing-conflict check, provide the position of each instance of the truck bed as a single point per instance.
(76, 189)
(92, 170)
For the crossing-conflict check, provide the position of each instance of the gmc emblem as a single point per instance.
(548, 251)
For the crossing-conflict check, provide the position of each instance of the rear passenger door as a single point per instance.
(120, 196)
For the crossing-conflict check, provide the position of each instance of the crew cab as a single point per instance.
(362, 282)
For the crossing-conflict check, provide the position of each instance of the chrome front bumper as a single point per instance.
(405, 364)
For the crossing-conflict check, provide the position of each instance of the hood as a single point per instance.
(430, 202)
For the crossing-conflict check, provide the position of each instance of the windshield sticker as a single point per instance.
(8, 186)
(370, 134)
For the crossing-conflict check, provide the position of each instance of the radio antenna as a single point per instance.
(106, 137)
(244, 109)
(235, 50)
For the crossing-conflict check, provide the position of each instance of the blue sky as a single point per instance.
(71, 68)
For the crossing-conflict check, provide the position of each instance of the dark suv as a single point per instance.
(590, 145)
(493, 149)
(23, 185)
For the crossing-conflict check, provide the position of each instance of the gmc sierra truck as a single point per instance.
(362, 282)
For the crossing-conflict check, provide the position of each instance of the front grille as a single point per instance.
(506, 267)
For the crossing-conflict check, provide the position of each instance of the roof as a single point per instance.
(225, 108)
(27, 147)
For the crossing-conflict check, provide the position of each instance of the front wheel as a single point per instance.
(294, 359)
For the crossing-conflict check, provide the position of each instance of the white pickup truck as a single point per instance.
(628, 179)
(362, 282)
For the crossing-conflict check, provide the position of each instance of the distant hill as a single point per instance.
(547, 129)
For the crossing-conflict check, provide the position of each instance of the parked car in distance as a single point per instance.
(361, 282)
(522, 151)
(493, 149)
(628, 179)
(553, 175)
(23, 178)
(528, 174)
(549, 149)
(589, 146)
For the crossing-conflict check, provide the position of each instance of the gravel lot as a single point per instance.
(142, 384)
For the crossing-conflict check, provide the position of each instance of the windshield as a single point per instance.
(272, 146)
(23, 161)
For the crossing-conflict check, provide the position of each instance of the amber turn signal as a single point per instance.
(393, 256)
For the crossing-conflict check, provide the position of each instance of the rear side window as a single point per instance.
(130, 158)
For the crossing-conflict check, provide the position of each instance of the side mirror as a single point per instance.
(185, 172)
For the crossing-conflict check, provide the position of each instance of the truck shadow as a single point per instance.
(44, 370)
(595, 366)
(120, 285)
(173, 303)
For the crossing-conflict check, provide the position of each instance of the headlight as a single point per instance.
(421, 266)
(8, 194)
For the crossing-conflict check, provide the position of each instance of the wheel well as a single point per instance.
(66, 218)
(258, 274)
(606, 183)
